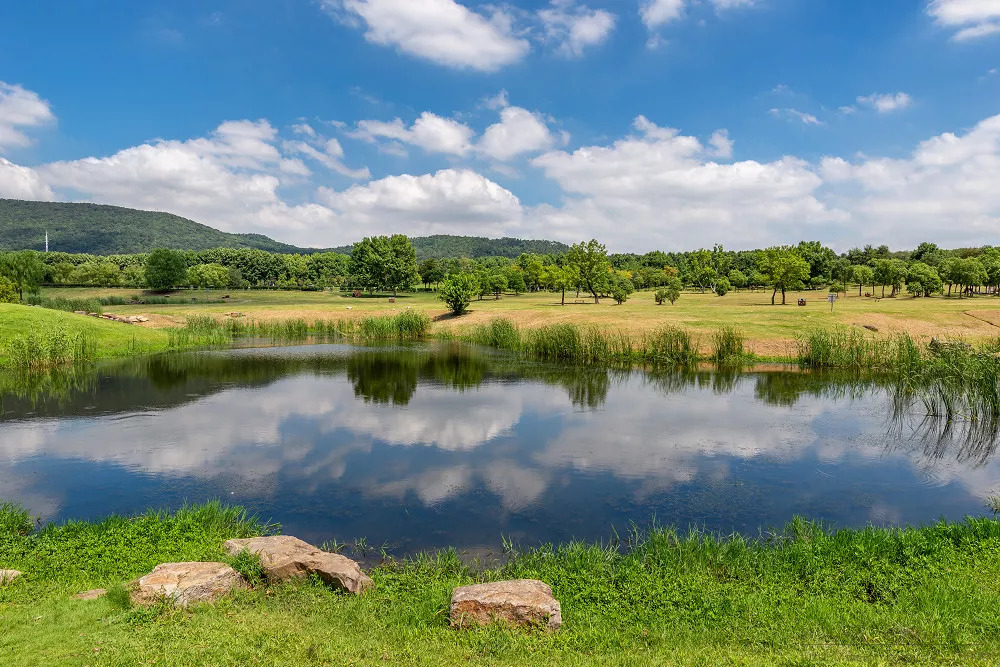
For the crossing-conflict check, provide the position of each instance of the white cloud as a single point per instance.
(945, 191)
(498, 101)
(450, 201)
(519, 131)
(327, 152)
(17, 182)
(573, 27)
(20, 108)
(722, 145)
(886, 102)
(430, 132)
(442, 31)
(795, 114)
(655, 13)
(661, 189)
(970, 18)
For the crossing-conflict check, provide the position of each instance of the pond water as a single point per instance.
(432, 446)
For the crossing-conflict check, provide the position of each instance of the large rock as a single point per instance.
(520, 602)
(187, 583)
(7, 576)
(285, 557)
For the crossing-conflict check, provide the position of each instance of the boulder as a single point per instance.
(7, 576)
(285, 557)
(186, 583)
(90, 595)
(520, 602)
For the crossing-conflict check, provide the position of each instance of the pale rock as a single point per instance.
(187, 583)
(7, 576)
(519, 602)
(285, 557)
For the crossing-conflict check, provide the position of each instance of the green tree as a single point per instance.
(165, 269)
(458, 290)
(8, 293)
(863, 275)
(384, 262)
(673, 289)
(515, 279)
(722, 286)
(212, 276)
(785, 269)
(561, 278)
(431, 272)
(591, 262)
(737, 279)
(401, 264)
(923, 280)
(620, 288)
(24, 269)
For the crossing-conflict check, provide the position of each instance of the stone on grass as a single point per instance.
(186, 583)
(285, 557)
(520, 602)
(7, 576)
(90, 595)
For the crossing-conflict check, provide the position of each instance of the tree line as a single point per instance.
(389, 264)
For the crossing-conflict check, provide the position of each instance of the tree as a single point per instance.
(660, 296)
(400, 272)
(8, 293)
(24, 269)
(561, 278)
(165, 268)
(673, 289)
(384, 262)
(431, 272)
(923, 280)
(213, 276)
(620, 288)
(737, 279)
(722, 286)
(515, 280)
(457, 291)
(863, 275)
(785, 269)
(591, 262)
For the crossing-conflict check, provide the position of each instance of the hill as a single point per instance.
(99, 229)
(444, 245)
(109, 230)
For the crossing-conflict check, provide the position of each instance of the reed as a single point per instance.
(670, 346)
(48, 349)
(728, 346)
(407, 325)
(500, 333)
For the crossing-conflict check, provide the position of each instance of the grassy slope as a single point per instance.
(915, 595)
(112, 338)
(771, 330)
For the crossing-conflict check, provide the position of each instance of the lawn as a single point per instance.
(770, 330)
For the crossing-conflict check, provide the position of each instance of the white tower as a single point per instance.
(46, 240)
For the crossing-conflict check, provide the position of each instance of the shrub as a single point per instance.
(458, 291)
(722, 287)
(8, 292)
(660, 296)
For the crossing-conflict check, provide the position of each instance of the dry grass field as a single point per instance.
(770, 330)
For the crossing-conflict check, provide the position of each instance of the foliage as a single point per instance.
(213, 276)
(673, 290)
(722, 287)
(728, 346)
(457, 291)
(8, 291)
(784, 268)
(670, 345)
(440, 246)
(384, 263)
(500, 333)
(620, 288)
(165, 269)
(590, 261)
(659, 296)
(23, 269)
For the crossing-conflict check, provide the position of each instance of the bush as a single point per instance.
(8, 293)
(621, 289)
(458, 291)
(722, 287)
(660, 296)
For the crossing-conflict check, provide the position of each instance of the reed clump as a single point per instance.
(728, 346)
(48, 349)
(500, 333)
(670, 346)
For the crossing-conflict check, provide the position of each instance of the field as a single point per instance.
(771, 331)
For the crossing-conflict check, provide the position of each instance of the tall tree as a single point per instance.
(24, 269)
(591, 262)
(785, 269)
(165, 269)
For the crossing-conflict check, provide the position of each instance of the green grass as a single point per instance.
(106, 339)
(799, 595)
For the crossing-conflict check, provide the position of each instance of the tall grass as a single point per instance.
(672, 346)
(407, 325)
(47, 349)
(500, 333)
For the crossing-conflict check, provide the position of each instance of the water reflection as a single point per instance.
(446, 445)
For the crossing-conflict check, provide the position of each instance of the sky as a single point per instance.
(647, 124)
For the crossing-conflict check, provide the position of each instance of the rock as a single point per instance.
(519, 602)
(7, 576)
(870, 327)
(284, 557)
(187, 583)
(90, 595)
(79, 312)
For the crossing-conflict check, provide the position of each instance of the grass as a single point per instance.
(798, 595)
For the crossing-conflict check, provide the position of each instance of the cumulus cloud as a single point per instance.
(575, 27)
(519, 131)
(658, 188)
(454, 201)
(971, 19)
(19, 109)
(17, 182)
(886, 102)
(430, 132)
(442, 31)
(655, 13)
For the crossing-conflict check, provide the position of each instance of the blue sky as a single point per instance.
(645, 123)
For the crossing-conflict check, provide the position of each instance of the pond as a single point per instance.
(443, 445)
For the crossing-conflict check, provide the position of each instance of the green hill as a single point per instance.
(444, 245)
(109, 230)
(98, 229)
